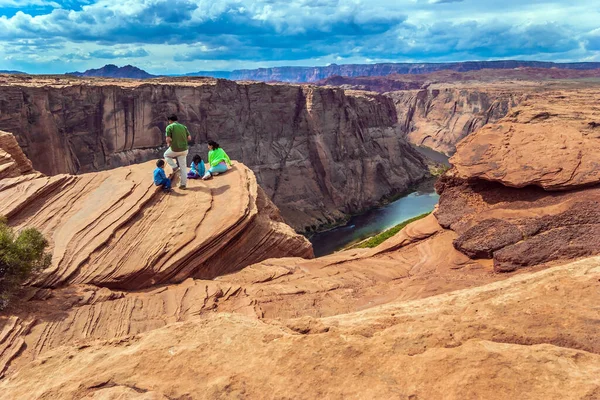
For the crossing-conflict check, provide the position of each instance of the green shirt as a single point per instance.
(217, 156)
(179, 134)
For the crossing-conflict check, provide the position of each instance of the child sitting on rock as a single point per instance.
(197, 169)
(160, 178)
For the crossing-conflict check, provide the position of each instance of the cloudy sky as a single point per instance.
(176, 36)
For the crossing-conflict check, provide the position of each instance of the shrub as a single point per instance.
(21, 255)
(383, 236)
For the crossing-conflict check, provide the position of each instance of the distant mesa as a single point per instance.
(213, 74)
(112, 71)
(319, 74)
(3, 71)
(315, 74)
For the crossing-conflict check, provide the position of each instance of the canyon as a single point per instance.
(320, 154)
(348, 72)
(437, 110)
(315, 74)
(494, 295)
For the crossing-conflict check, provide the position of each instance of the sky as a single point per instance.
(178, 36)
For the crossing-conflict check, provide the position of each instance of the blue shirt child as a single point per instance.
(198, 168)
(160, 178)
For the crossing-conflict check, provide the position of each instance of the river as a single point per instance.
(377, 220)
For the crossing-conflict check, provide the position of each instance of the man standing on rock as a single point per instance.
(178, 137)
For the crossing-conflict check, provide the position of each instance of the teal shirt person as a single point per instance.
(179, 136)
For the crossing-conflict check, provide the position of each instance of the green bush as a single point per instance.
(383, 236)
(438, 169)
(21, 255)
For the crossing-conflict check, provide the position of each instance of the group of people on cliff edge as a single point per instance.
(178, 138)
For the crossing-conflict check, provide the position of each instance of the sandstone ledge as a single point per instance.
(116, 229)
(530, 336)
(550, 141)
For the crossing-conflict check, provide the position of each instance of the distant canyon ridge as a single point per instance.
(315, 74)
(437, 104)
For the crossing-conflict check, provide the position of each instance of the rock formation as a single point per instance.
(547, 146)
(550, 141)
(314, 74)
(116, 229)
(440, 116)
(318, 153)
(426, 314)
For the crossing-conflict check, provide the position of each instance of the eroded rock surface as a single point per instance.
(318, 153)
(549, 141)
(423, 315)
(116, 229)
(532, 336)
(524, 191)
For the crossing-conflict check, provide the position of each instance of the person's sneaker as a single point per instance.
(182, 187)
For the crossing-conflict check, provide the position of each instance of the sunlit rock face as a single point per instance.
(146, 298)
(318, 153)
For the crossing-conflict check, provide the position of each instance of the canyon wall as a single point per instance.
(319, 153)
(439, 109)
(440, 116)
(483, 298)
(314, 74)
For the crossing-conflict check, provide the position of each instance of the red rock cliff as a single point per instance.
(440, 116)
(318, 153)
(371, 323)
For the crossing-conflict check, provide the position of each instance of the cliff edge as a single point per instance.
(493, 296)
(319, 154)
(116, 229)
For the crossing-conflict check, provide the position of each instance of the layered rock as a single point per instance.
(440, 116)
(318, 153)
(13, 162)
(532, 335)
(550, 141)
(116, 229)
(524, 191)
